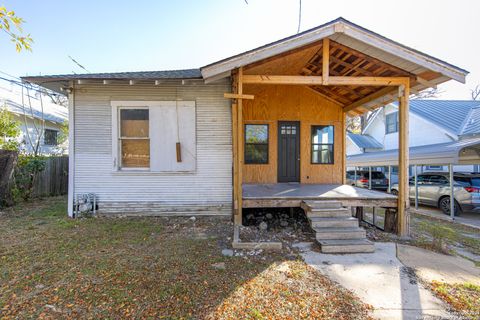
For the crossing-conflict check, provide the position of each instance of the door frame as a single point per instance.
(298, 138)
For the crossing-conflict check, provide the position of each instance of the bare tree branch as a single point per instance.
(475, 92)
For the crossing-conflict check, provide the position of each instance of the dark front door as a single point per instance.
(288, 151)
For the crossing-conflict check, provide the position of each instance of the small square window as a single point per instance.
(50, 137)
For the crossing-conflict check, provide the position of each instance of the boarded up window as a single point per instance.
(134, 138)
(158, 135)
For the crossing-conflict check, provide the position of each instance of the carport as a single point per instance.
(465, 151)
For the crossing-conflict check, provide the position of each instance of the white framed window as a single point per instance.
(133, 137)
(154, 136)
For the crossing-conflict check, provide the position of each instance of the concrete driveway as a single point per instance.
(381, 280)
(471, 219)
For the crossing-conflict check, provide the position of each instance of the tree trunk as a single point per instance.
(8, 159)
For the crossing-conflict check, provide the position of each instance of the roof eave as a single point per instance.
(336, 26)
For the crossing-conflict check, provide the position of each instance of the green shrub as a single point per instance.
(26, 174)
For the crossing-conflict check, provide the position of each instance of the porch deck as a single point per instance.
(292, 194)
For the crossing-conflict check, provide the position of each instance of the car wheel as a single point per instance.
(394, 192)
(444, 205)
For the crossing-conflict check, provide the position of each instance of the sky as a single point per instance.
(111, 36)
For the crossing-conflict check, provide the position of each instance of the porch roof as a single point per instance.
(346, 33)
(353, 52)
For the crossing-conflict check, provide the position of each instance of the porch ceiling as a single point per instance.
(343, 61)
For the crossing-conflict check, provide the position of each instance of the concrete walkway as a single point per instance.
(432, 266)
(379, 279)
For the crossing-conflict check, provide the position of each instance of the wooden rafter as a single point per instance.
(317, 80)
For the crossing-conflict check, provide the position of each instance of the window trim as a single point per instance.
(120, 138)
(151, 105)
(319, 144)
(245, 143)
(396, 122)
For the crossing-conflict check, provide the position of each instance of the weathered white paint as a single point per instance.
(169, 122)
(206, 190)
(71, 151)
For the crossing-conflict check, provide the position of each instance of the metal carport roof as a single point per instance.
(466, 151)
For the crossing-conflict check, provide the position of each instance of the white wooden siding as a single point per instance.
(207, 190)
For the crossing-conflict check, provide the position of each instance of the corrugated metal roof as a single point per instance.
(147, 75)
(441, 153)
(457, 116)
(364, 141)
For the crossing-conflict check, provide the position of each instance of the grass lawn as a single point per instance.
(464, 298)
(55, 267)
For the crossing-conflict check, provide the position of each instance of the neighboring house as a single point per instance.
(360, 143)
(173, 142)
(431, 122)
(41, 122)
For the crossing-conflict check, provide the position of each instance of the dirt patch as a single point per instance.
(55, 267)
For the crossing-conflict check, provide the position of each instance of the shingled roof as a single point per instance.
(138, 75)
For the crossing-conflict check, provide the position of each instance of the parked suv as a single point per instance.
(379, 181)
(434, 190)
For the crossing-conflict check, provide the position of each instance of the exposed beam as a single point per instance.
(380, 93)
(323, 95)
(317, 80)
(325, 61)
(292, 80)
(426, 83)
(238, 96)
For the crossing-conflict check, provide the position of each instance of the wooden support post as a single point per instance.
(403, 217)
(234, 150)
(325, 61)
(344, 147)
(239, 150)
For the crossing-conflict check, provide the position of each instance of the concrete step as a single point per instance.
(340, 233)
(329, 213)
(347, 246)
(320, 204)
(348, 222)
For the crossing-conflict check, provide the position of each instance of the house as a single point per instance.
(41, 122)
(262, 128)
(432, 123)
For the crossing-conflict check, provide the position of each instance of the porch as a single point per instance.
(285, 195)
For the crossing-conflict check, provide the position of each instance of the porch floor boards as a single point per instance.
(292, 195)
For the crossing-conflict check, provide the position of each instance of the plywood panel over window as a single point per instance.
(134, 138)
(146, 135)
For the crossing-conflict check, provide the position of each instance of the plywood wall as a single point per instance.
(293, 103)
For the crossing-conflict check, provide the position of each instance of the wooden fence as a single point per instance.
(53, 181)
